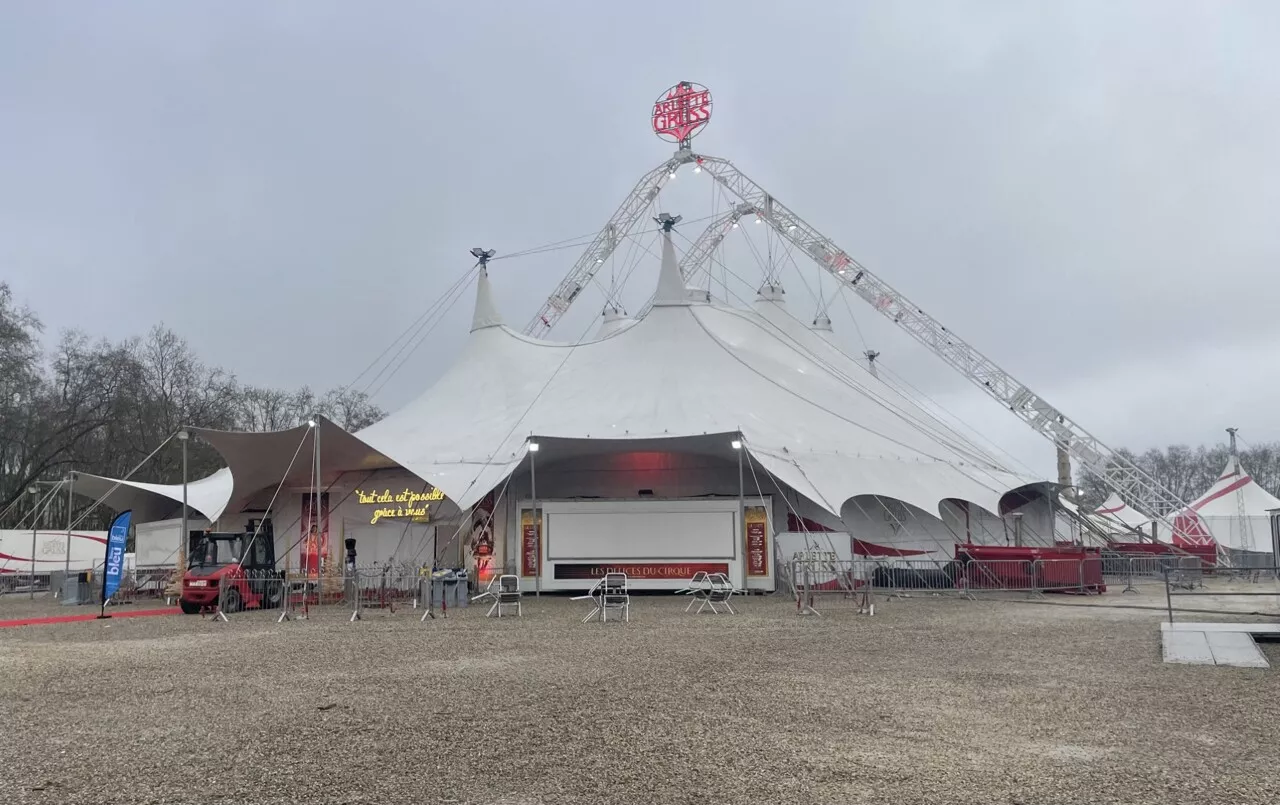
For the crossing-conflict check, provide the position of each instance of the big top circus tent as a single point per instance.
(648, 436)
(701, 433)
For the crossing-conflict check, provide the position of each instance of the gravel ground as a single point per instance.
(930, 701)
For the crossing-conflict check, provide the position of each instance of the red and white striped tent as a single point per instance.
(1116, 515)
(1233, 513)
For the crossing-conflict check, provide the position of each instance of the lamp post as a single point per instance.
(71, 488)
(537, 521)
(183, 437)
(736, 444)
(34, 491)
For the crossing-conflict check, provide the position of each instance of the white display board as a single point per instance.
(627, 530)
(658, 543)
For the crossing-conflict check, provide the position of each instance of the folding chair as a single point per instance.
(697, 589)
(609, 593)
(507, 595)
(716, 593)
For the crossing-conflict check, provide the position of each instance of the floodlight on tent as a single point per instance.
(791, 228)
(668, 221)
(483, 255)
(183, 435)
(311, 423)
(735, 224)
(736, 444)
(697, 169)
(533, 447)
(671, 175)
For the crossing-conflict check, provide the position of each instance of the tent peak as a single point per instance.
(671, 290)
(486, 313)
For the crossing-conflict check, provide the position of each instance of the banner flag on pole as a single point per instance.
(117, 538)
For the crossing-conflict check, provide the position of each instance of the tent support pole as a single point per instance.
(537, 521)
(183, 538)
(71, 484)
(742, 510)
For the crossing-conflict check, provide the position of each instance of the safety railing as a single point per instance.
(1134, 570)
(355, 590)
(859, 578)
(1226, 582)
(25, 582)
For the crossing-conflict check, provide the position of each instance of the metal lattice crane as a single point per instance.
(605, 243)
(1145, 493)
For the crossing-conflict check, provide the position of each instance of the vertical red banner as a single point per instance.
(756, 521)
(315, 533)
(482, 543)
(530, 543)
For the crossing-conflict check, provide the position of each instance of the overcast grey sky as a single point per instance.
(1087, 191)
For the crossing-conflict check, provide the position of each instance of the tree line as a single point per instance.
(102, 407)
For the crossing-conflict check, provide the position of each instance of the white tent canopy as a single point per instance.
(207, 496)
(255, 461)
(815, 419)
(687, 368)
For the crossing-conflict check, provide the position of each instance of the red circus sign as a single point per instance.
(681, 112)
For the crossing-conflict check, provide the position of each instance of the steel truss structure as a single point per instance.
(1144, 493)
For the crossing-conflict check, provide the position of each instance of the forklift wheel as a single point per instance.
(231, 600)
(189, 607)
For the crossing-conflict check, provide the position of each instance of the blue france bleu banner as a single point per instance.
(116, 539)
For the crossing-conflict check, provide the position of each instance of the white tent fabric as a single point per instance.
(685, 369)
(255, 461)
(263, 460)
(817, 342)
(1234, 510)
(1114, 513)
(208, 496)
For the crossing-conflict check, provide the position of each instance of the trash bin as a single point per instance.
(70, 594)
(438, 584)
(75, 589)
(460, 590)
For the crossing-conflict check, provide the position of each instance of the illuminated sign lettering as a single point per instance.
(681, 112)
(408, 503)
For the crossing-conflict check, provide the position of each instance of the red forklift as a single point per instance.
(242, 563)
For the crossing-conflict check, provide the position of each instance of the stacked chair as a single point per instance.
(710, 591)
(609, 594)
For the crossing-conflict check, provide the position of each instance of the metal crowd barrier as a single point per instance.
(1133, 569)
(295, 595)
(862, 578)
(1186, 581)
(24, 582)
